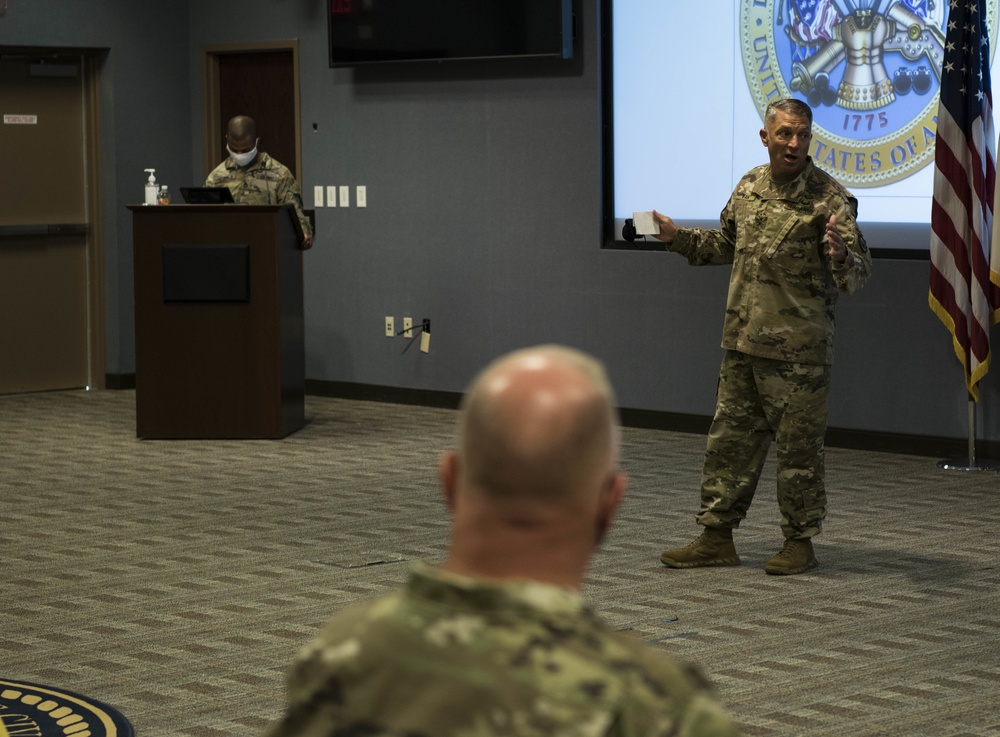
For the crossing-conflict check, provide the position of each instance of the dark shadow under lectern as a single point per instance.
(219, 329)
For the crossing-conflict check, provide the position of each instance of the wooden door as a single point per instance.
(44, 342)
(261, 84)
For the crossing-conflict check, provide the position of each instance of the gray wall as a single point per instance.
(484, 190)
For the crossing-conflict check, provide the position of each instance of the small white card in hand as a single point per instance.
(644, 223)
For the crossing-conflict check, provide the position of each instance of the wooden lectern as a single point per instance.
(219, 329)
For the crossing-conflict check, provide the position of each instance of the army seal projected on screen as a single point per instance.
(870, 70)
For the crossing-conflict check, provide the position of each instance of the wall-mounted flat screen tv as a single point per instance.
(381, 31)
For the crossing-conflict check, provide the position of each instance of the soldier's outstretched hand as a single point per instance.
(668, 231)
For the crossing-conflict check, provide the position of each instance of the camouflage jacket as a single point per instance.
(451, 656)
(784, 286)
(265, 182)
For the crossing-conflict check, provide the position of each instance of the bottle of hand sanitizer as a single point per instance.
(151, 189)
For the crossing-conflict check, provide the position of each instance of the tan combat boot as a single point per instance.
(714, 547)
(796, 557)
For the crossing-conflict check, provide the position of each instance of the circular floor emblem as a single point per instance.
(869, 69)
(40, 711)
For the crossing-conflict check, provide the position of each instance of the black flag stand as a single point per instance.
(970, 463)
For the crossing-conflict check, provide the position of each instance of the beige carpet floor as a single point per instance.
(176, 580)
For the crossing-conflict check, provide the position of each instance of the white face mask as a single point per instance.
(242, 159)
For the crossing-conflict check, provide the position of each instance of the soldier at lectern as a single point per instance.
(256, 178)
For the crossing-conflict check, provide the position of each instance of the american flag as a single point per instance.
(814, 20)
(965, 289)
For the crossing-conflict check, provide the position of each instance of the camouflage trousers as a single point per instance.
(760, 399)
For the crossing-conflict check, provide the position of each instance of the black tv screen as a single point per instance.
(380, 31)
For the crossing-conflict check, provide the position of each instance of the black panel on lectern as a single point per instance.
(218, 272)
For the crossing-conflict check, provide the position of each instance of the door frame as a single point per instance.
(212, 141)
(90, 73)
(95, 221)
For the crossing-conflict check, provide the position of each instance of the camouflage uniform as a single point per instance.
(778, 336)
(454, 656)
(265, 182)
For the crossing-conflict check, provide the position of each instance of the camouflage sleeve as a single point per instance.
(221, 177)
(702, 247)
(705, 718)
(315, 690)
(852, 274)
(288, 192)
(215, 176)
(672, 697)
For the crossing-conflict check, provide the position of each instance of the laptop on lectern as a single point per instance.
(207, 195)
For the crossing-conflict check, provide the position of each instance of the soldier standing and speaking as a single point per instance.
(256, 178)
(497, 641)
(790, 232)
